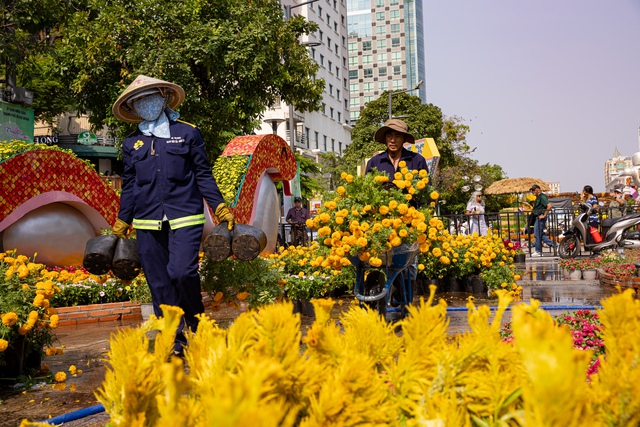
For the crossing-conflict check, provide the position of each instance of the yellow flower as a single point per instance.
(3, 345)
(382, 179)
(242, 296)
(375, 261)
(402, 164)
(434, 195)
(9, 319)
(73, 370)
(60, 377)
(343, 175)
(349, 178)
(421, 267)
(393, 204)
(384, 210)
(341, 190)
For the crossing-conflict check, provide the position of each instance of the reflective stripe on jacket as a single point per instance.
(154, 224)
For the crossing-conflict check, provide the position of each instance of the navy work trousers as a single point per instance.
(169, 259)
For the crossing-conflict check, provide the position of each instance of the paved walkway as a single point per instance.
(86, 345)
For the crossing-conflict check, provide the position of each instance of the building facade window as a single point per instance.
(366, 45)
(381, 30)
(381, 44)
(382, 71)
(395, 28)
(397, 70)
(383, 85)
(353, 74)
(367, 59)
(367, 73)
(395, 42)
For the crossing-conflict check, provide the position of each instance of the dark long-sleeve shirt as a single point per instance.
(382, 162)
(297, 216)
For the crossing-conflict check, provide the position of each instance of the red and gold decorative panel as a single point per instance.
(268, 153)
(32, 173)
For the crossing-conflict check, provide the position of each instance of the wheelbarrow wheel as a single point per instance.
(373, 285)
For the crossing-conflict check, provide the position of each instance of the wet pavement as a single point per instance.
(87, 344)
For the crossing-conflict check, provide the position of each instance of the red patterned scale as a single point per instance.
(37, 172)
(269, 153)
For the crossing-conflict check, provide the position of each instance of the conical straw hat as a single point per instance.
(142, 83)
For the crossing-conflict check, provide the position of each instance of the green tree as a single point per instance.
(309, 170)
(424, 121)
(30, 29)
(454, 179)
(234, 59)
(331, 167)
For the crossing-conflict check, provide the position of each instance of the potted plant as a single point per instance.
(589, 268)
(27, 316)
(572, 268)
(139, 291)
(501, 276)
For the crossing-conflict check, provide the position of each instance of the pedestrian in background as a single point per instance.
(475, 210)
(541, 209)
(618, 204)
(590, 199)
(297, 217)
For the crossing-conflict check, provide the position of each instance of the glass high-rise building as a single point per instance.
(386, 49)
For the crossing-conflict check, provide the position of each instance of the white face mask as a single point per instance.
(150, 107)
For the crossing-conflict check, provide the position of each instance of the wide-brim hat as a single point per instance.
(124, 112)
(396, 125)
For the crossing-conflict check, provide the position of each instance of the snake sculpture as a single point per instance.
(52, 203)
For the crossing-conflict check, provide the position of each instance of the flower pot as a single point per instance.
(146, 310)
(519, 258)
(575, 275)
(566, 273)
(589, 274)
(452, 284)
(477, 285)
(308, 309)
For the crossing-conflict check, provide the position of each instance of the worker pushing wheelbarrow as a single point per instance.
(388, 289)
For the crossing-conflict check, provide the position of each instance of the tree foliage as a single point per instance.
(455, 180)
(424, 121)
(30, 29)
(233, 58)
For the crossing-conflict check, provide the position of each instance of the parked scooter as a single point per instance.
(617, 233)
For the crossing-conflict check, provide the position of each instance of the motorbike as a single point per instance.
(617, 233)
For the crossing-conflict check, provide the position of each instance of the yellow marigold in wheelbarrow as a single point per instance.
(370, 215)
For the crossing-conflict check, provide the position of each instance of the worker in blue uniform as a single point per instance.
(166, 177)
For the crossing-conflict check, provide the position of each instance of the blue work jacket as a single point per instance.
(166, 178)
(382, 162)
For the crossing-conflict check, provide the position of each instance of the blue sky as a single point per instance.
(549, 87)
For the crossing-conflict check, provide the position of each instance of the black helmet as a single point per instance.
(297, 199)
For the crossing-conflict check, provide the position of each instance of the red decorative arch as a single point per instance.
(33, 173)
(269, 153)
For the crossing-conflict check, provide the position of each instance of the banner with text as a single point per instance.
(16, 122)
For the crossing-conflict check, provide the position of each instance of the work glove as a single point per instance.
(120, 229)
(224, 214)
